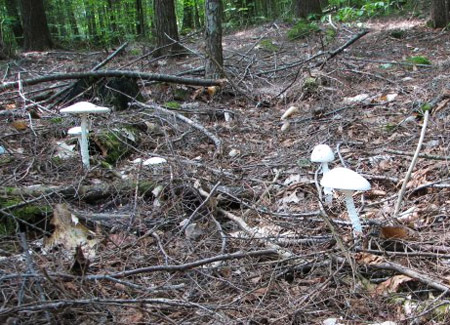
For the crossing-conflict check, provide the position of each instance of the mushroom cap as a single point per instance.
(345, 179)
(85, 108)
(322, 153)
(76, 130)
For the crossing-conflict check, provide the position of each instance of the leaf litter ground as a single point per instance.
(235, 238)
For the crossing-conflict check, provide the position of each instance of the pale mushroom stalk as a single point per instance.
(352, 213)
(328, 191)
(84, 143)
(323, 155)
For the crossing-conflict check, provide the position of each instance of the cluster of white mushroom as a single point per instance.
(83, 109)
(340, 178)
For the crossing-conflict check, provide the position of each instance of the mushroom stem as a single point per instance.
(84, 143)
(325, 168)
(352, 214)
(328, 191)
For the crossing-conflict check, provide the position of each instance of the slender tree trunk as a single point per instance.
(188, 15)
(3, 54)
(92, 23)
(197, 20)
(13, 13)
(213, 39)
(166, 30)
(303, 8)
(440, 14)
(73, 21)
(140, 21)
(35, 28)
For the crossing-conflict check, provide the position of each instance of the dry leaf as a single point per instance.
(68, 235)
(366, 258)
(10, 106)
(212, 90)
(394, 232)
(19, 125)
(392, 284)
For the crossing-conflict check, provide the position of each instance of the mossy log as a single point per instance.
(89, 193)
(15, 207)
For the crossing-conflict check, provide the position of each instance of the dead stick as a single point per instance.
(412, 165)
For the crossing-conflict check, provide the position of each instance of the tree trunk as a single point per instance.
(140, 20)
(213, 39)
(35, 28)
(188, 15)
(440, 13)
(303, 8)
(3, 54)
(166, 30)
(13, 13)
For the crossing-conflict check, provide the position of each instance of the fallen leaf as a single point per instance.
(68, 236)
(366, 258)
(392, 284)
(19, 125)
(394, 232)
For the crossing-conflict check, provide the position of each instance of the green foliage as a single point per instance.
(426, 107)
(302, 29)
(358, 9)
(397, 33)
(418, 60)
(268, 45)
(330, 34)
(172, 105)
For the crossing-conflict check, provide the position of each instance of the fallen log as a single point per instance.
(112, 73)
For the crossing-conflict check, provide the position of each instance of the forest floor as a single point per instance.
(231, 231)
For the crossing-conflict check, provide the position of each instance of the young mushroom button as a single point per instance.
(347, 181)
(83, 109)
(323, 154)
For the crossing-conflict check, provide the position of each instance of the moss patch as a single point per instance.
(302, 29)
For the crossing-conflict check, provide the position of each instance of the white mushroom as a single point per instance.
(84, 109)
(347, 181)
(76, 132)
(323, 154)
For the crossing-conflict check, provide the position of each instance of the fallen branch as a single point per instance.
(151, 269)
(412, 165)
(59, 304)
(113, 73)
(421, 155)
(256, 232)
(216, 140)
(85, 192)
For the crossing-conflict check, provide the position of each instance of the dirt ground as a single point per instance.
(229, 230)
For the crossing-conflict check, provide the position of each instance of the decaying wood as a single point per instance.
(113, 73)
(84, 192)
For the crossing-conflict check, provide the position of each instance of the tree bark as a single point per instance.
(35, 28)
(440, 13)
(213, 39)
(166, 30)
(303, 8)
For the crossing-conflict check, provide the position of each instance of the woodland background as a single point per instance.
(201, 205)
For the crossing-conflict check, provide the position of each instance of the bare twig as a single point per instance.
(412, 165)
(421, 155)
